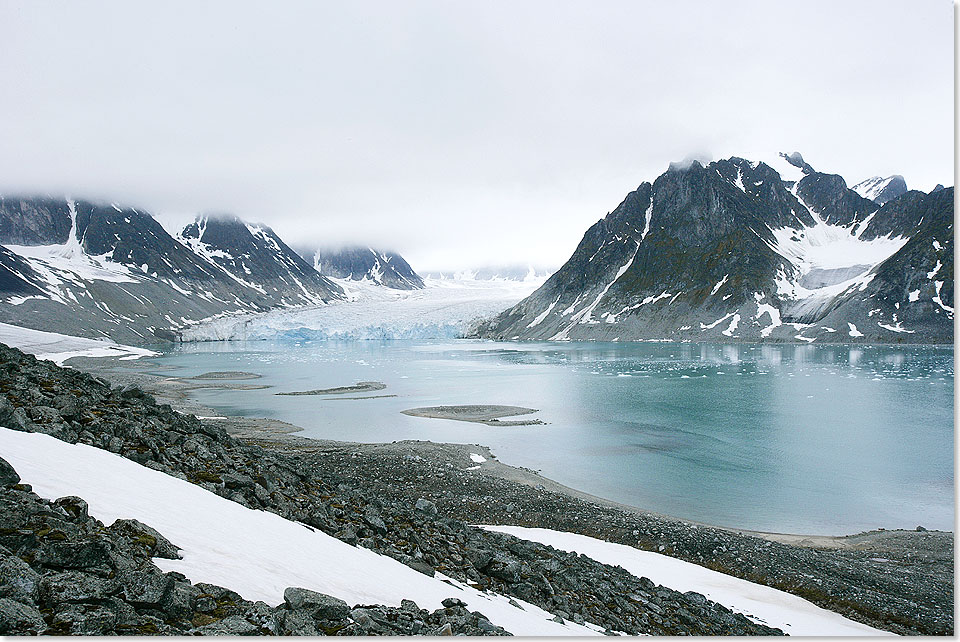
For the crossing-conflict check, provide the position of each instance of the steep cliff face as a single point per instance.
(732, 250)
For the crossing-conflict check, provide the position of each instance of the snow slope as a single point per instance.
(58, 348)
(763, 604)
(443, 309)
(255, 553)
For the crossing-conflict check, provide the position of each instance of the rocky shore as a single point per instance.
(65, 572)
(901, 581)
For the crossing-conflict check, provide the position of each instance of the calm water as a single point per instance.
(813, 439)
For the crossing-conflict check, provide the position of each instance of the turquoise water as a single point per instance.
(825, 439)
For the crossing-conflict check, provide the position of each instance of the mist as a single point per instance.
(458, 134)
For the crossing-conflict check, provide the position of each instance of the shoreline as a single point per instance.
(897, 580)
(176, 392)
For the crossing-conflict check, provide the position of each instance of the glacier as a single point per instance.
(444, 309)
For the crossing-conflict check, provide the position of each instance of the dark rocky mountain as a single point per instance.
(34, 221)
(732, 250)
(255, 257)
(881, 190)
(365, 264)
(117, 273)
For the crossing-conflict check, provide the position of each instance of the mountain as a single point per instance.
(735, 249)
(880, 190)
(95, 270)
(256, 258)
(365, 264)
(517, 272)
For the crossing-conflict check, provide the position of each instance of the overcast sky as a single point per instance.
(459, 133)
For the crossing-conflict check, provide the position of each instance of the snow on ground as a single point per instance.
(60, 347)
(255, 553)
(830, 247)
(446, 308)
(760, 603)
(59, 265)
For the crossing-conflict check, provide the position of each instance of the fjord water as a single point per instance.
(818, 439)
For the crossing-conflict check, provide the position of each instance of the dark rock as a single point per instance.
(319, 605)
(17, 580)
(451, 602)
(156, 544)
(426, 506)
(83, 619)
(8, 476)
(74, 506)
(232, 625)
(88, 553)
(74, 586)
(298, 623)
(19, 619)
(143, 588)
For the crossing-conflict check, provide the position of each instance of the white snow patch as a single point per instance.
(733, 326)
(709, 326)
(915, 295)
(764, 604)
(898, 327)
(936, 269)
(56, 347)
(853, 330)
(477, 459)
(774, 314)
(937, 299)
(543, 315)
(646, 219)
(256, 553)
(719, 284)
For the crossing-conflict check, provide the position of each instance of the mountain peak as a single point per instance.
(881, 190)
(361, 263)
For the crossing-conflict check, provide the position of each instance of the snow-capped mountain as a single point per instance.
(365, 264)
(255, 257)
(736, 249)
(880, 190)
(96, 270)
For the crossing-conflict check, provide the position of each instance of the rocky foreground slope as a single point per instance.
(62, 571)
(744, 250)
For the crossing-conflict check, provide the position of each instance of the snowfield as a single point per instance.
(60, 347)
(255, 553)
(792, 614)
(444, 309)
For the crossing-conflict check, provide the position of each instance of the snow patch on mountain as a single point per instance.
(65, 265)
(56, 347)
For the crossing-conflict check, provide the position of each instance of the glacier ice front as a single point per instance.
(444, 309)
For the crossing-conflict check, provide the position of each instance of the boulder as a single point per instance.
(321, 606)
(8, 476)
(142, 588)
(156, 544)
(426, 506)
(17, 580)
(74, 586)
(19, 619)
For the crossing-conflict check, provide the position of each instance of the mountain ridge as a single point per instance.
(732, 250)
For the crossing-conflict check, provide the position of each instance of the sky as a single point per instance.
(460, 134)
